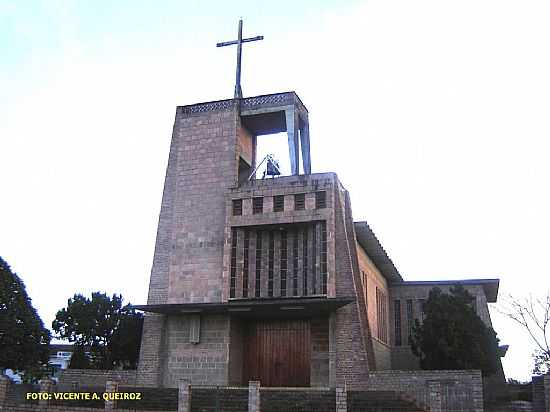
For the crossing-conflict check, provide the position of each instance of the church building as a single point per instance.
(270, 279)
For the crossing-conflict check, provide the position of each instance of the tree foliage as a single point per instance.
(452, 336)
(111, 331)
(533, 314)
(23, 338)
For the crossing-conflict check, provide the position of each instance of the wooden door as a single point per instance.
(278, 353)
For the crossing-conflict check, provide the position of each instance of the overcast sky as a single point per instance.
(434, 114)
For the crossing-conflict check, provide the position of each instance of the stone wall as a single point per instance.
(96, 377)
(460, 391)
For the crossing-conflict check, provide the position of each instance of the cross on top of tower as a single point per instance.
(239, 42)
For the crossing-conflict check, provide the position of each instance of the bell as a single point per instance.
(273, 167)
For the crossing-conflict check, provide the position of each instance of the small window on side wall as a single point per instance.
(237, 207)
(299, 201)
(320, 200)
(278, 203)
(257, 205)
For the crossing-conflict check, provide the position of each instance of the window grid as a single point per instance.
(323, 258)
(257, 205)
(284, 262)
(233, 281)
(299, 201)
(237, 207)
(257, 288)
(295, 263)
(382, 321)
(245, 263)
(271, 254)
(397, 310)
(320, 200)
(410, 320)
(278, 203)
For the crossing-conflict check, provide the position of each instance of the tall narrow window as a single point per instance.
(364, 282)
(237, 207)
(258, 284)
(320, 200)
(324, 258)
(314, 260)
(410, 320)
(257, 205)
(305, 263)
(245, 262)
(397, 321)
(270, 258)
(233, 280)
(284, 262)
(299, 201)
(278, 203)
(421, 308)
(295, 263)
(381, 312)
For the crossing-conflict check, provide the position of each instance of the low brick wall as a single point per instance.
(298, 399)
(460, 391)
(223, 398)
(541, 393)
(97, 377)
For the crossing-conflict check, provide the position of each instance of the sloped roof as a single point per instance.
(370, 243)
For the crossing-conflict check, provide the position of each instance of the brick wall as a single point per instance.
(203, 363)
(541, 393)
(319, 400)
(320, 352)
(352, 342)
(461, 391)
(96, 377)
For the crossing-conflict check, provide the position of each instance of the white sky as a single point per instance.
(434, 114)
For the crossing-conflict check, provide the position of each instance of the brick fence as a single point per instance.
(97, 377)
(541, 393)
(457, 391)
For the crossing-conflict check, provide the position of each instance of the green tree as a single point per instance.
(24, 341)
(452, 336)
(110, 330)
(79, 359)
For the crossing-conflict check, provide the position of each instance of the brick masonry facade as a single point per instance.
(223, 239)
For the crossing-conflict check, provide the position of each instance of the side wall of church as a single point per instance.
(371, 281)
(412, 296)
(351, 344)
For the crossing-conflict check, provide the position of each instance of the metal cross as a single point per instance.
(239, 42)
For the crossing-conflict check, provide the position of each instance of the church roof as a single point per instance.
(370, 243)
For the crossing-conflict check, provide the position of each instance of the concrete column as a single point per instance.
(434, 396)
(304, 145)
(111, 387)
(292, 130)
(4, 386)
(46, 386)
(184, 395)
(341, 399)
(254, 396)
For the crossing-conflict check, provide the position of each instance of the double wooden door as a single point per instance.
(278, 352)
